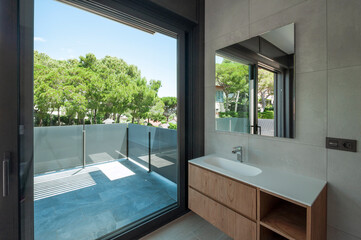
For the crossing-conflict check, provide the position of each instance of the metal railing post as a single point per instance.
(127, 142)
(84, 147)
(149, 153)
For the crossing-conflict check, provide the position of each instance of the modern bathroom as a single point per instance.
(268, 124)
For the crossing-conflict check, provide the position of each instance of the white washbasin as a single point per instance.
(232, 166)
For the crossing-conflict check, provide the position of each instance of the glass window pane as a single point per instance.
(266, 102)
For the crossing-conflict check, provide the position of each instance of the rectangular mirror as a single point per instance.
(255, 85)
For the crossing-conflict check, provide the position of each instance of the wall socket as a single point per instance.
(341, 144)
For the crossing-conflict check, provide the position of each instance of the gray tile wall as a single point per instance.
(328, 95)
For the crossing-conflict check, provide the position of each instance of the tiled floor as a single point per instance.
(188, 227)
(88, 203)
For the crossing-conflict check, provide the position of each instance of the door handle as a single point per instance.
(6, 169)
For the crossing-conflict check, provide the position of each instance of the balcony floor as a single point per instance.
(89, 203)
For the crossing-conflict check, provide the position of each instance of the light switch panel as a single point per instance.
(341, 144)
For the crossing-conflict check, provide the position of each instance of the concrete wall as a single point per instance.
(328, 94)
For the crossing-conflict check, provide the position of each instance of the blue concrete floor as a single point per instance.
(89, 203)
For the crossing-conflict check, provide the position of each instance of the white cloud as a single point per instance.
(39, 39)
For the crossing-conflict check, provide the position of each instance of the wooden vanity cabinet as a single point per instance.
(235, 195)
(245, 212)
(227, 220)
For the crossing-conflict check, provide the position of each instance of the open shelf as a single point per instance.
(266, 234)
(283, 217)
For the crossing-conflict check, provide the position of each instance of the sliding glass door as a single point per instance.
(62, 136)
(105, 115)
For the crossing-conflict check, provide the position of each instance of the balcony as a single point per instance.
(91, 180)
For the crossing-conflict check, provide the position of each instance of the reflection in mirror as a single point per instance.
(232, 95)
(255, 85)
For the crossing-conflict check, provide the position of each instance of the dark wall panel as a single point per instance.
(9, 92)
(185, 8)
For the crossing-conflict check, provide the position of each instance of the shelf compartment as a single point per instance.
(266, 234)
(283, 217)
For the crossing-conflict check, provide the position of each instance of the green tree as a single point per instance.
(48, 94)
(88, 69)
(265, 86)
(41, 86)
(89, 61)
(99, 88)
(75, 93)
(143, 97)
(117, 77)
(170, 106)
(232, 77)
(156, 112)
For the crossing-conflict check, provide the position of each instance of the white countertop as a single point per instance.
(296, 187)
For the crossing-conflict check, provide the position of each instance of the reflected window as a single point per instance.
(256, 77)
(232, 95)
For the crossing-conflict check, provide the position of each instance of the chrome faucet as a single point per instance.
(238, 150)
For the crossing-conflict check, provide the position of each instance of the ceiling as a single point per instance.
(283, 38)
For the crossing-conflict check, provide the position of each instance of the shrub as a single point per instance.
(266, 115)
(269, 108)
(232, 114)
(243, 114)
(228, 114)
(172, 126)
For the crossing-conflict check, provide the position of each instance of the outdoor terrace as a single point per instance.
(112, 190)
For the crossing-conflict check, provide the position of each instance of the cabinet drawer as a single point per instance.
(228, 221)
(235, 195)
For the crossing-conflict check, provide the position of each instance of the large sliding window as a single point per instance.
(106, 122)
(86, 151)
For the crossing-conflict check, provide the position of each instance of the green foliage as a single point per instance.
(143, 97)
(243, 114)
(266, 115)
(265, 86)
(172, 126)
(170, 106)
(232, 114)
(93, 88)
(269, 108)
(232, 78)
(156, 112)
(228, 114)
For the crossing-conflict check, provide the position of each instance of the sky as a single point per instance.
(219, 59)
(63, 32)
